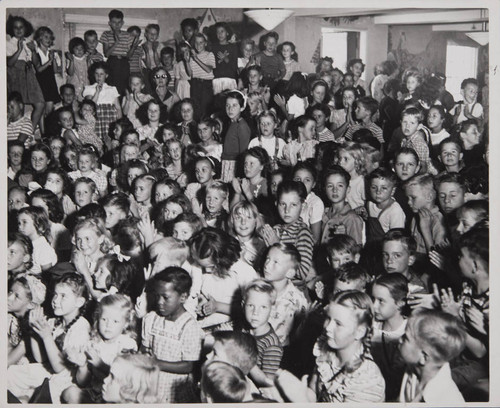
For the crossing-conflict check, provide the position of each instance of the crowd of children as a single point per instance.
(208, 223)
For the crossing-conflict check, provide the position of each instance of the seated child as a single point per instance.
(469, 108)
(450, 155)
(431, 340)
(216, 197)
(87, 167)
(19, 127)
(350, 276)
(472, 213)
(222, 382)
(85, 192)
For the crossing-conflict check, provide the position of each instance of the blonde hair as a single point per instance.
(425, 181)
(178, 251)
(358, 154)
(261, 286)
(118, 301)
(96, 224)
(245, 207)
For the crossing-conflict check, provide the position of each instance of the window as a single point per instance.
(461, 63)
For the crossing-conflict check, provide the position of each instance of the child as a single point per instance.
(85, 123)
(313, 208)
(117, 207)
(253, 187)
(167, 62)
(450, 155)
(290, 58)
(301, 144)
(214, 214)
(182, 78)
(389, 294)
(384, 213)
(469, 108)
(66, 121)
(356, 67)
(134, 379)
(267, 124)
(113, 334)
(218, 254)
(59, 183)
(321, 114)
(412, 79)
(222, 382)
(115, 273)
(200, 69)
(65, 335)
(411, 120)
(406, 165)
(291, 197)
(342, 117)
(91, 43)
(272, 65)
(174, 161)
(26, 292)
(436, 118)
(134, 99)
(106, 97)
(165, 188)
(237, 137)
(151, 51)
(254, 78)
(17, 198)
(280, 267)
(77, 67)
(247, 47)
(19, 127)
(471, 138)
(365, 109)
(389, 108)
(450, 190)
(188, 125)
(349, 276)
(209, 138)
(345, 370)
(226, 53)
(244, 222)
(143, 189)
(352, 159)
(19, 254)
(117, 45)
(258, 299)
(339, 218)
(297, 92)
(34, 223)
(136, 53)
(15, 158)
(398, 256)
(205, 171)
(472, 213)
(427, 227)
(87, 167)
(172, 336)
(431, 340)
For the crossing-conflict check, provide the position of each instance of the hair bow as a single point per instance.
(121, 257)
(244, 98)
(37, 289)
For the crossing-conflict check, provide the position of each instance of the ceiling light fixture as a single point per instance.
(269, 18)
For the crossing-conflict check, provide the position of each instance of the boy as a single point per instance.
(450, 189)
(321, 112)
(91, 41)
(432, 338)
(427, 226)
(189, 28)
(216, 197)
(384, 213)
(280, 267)
(366, 108)
(200, 68)
(19, 127)
(469, 108)
(15, 155)
(350, 276)
(398, 256)
(222, 382)
(85, 192)
(151, 51)
(136, 52)
(450, 155)
(172, 336)
(117, 44)
(339, 218)
(411, 123)
(167, 61)
(389, 109)
(258, 299)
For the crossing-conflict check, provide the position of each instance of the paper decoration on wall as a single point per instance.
(317, 54)
(206, 20)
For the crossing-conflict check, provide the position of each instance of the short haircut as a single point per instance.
(393, 85)
(440, 332)
(167, 51)
(455, 178)
(454, 140)
(291, 186)
(254, 68)
(261, 286)
(477, 242)
(425, 181)
(337, 171)
(153, 27)
(15, 97)
(115, 14)
(75, 42)
(89, 33)
(66, 86)
(176, 250)
(479, 207)
(369, 103)
(413, 111)
(403, 236)
(406, 150)
(219, 186)
(342, 243)
(396, 284)
(468, 81)
(372, 155)
(351, 271)
(178, 277)
(131, 29)
(288, 249)
(241, 349)
(323, 107)
(382, 173)
(190, 218)
(223, 382)
(189, 22)
(85, 180)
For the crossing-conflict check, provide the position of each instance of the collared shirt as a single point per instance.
(125, 41)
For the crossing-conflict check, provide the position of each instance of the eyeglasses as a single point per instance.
(160, 76)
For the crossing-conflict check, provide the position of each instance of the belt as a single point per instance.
(117, 56)
(201, 79)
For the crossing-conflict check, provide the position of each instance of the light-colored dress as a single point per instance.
(80, 77)
(183, 88)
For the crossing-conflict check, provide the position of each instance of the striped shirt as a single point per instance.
(417, 143)
(298, 234)
(207, 58)
(325, 135)
(124, 42)
(270, 352)
(22, 126)
(377, 132)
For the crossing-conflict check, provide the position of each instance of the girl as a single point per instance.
(41, 161)
(154, 118)
(436, 118)
(134, 99)
(92, 242)
(237, 135)
(133, 169)
(166, 132)
(226, 53)
(19, 254)
(117, 208)
(209, 138)
(267, 124)
(133, 378)
(160, 79)
(60, 184)
(66, 121)
(345, 370)
(34, 223)
(301, 144)
(218, 254)
(62, 338)
(244, 222)
(247, 47)
(174, 162)
(77, 66)
(351, 158)
(25, 293)
(472, 213)
(412, 79)
(389, 294)
(56, 145)
(106, 98)
(85, 124)
(406, 165)
(68, 158)
(297, 102)
(113, 333)
(20, 73)
(169, 209)
(88, 167)
(319, 93)
(254, 185)
(290, 58)
(165, 188)
(205, 170)
(143, 188)
(356, 67)
(272, 65)
(46, 62)
(182, 78)
(313, 208)
(188, 125)
(342, 118)
(60, 238)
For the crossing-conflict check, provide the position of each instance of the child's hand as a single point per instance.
(477, 319)
(39, 323)
(236, 183)
(424, 219)
(280, 101)
(458, 109)
(246, 188)
(148, 271)
(76, 357)
(20, 44)
(269, 235)
(361, 211)
(31, 46)
(448, 303)
(319, 288)
(267, 94)
(80, 262)
(147, 229)
(468, 112)
(93, 357)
